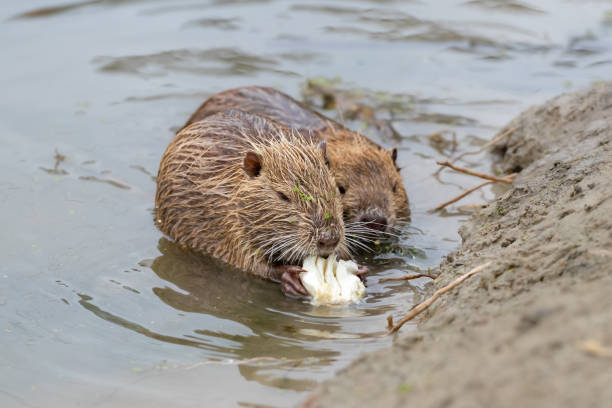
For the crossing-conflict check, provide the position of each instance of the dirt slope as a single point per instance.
(535, 329)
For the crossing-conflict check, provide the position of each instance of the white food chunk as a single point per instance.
(329, 281)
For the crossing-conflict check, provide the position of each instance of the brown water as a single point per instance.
(98, 309)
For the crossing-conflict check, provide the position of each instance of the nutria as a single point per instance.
(249, 191)
(367, 177)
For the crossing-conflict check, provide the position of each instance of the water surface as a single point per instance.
(97, 308)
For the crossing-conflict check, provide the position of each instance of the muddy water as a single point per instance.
(97, 308)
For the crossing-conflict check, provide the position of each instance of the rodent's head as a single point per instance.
(289, 202)
(370, 186)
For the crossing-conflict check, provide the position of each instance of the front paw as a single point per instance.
(290, 281)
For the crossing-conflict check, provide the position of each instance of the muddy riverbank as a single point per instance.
(534, 329)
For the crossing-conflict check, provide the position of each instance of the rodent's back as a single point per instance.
(368, 178)
(266, 102)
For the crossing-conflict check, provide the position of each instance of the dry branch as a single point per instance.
(482, 148)
(460, 196)
(506, 179)
(486, 145)
(428, 302)
(509, 177)
(409, 277)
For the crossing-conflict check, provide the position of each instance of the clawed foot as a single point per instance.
(290, 281)
(362, 270)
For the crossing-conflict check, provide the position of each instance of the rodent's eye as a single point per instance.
(341, 189)
(282, 196)
(394, 189)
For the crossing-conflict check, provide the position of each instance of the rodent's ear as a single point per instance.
(393, 153)
(252, 164)
(323, 147)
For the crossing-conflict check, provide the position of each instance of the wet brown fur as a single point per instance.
(363, 169)
(206, 200)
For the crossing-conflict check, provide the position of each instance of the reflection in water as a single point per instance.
(279, 327)
(109, 317)
(212, 288)
(273, 343)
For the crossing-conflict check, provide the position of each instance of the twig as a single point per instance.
(509, 177)
(482, 148)
(428, 302)
(460, 196)
(486, 145)
(492, 179)
(409, 277)
(506, 179)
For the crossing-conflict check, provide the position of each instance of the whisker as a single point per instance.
(351, 244)
(285, 254)
(373, 233)
(360, 238)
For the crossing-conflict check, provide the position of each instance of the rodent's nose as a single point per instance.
(375, 222)
(327, 243)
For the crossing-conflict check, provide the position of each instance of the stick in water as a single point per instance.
(490, 143)
(460, 196)
(428, 302)
(408, 277)
(506, 179)
(486, 145)
(509, 177)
